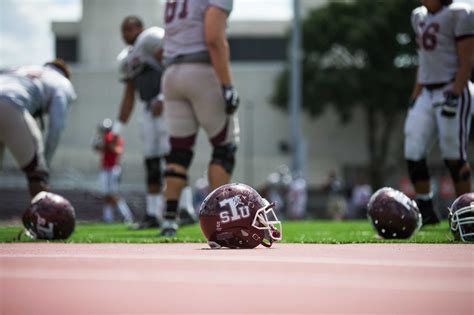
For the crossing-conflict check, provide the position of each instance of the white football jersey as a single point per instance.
(41, 90)
(132, 59)
(436, 37)
(184, 25)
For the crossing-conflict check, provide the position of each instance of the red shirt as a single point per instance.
(110, 158)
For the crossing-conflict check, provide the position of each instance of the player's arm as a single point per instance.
(126, 107)
(215, 22)
(56, 123)
(465, 50)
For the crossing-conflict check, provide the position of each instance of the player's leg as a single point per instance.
(118, 201)
(187, 213)
(420, 128)
(24, 140)
(454, 137)
(108, 206)
(2, 152)
(156, 145)
(222, 129)
(183, 128)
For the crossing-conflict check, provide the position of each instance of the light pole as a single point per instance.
(297, 142)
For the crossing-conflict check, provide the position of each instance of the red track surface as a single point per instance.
(185, 278)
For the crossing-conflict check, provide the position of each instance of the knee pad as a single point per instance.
(224, 155)
(34, 173)
(153, 171)
(418, 170)
(180, 156)
(459, 170)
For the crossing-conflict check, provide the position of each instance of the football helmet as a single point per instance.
(393, 214)
(106, 125)
(49, 217)
(461, 218)
(236, 216)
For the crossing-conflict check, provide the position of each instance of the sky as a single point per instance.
(20, 45)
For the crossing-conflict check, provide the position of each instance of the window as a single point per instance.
(258, 48)
(66, 48)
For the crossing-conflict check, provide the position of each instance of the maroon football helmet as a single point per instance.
(236, 216)
(49, 217)
(461, 218)
(393, 214)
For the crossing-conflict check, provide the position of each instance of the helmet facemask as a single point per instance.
(462, 223)
(266, 219)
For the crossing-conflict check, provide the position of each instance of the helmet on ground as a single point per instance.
(393, 214)
(49, 217)
(461, 218)
(236, 216)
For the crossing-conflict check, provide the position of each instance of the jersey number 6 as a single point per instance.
(428, 38)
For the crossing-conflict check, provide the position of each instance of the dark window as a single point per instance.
(258, 48)
(66, 48)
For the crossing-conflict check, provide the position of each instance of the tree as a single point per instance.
(359, 54)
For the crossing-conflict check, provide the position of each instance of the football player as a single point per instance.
(198, 91)
(27, 93)
(141, 70)
(111, 148)
(442, 98)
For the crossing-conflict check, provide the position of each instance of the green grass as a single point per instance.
(323, 232)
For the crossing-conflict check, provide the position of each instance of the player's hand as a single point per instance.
(156, 107)
(449, 106)
(231, 98)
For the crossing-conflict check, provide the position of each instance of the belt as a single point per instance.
(199, 57)
(435, 86)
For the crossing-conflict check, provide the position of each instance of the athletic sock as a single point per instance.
(160, 207)
(171, 210)
(152, 201)
(186, 201)
(108, 213)
(425, 204)
(125, 210)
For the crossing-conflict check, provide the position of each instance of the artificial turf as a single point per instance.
(322, 232)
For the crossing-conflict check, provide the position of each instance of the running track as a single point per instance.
(46, 278)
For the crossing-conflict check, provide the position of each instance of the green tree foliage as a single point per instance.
(359, 54)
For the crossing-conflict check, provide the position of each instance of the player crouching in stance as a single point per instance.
(236, 216)
(27, 93)
(392, 214)
(111, 147)
(442, 97)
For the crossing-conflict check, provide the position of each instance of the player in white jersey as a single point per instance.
(442, 97)
(27, 93)
(141, 70)
(198, 91)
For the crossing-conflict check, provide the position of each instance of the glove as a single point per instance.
(231, 98)
(449, 106)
